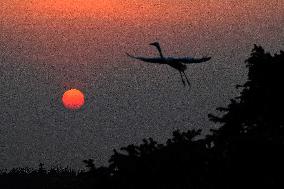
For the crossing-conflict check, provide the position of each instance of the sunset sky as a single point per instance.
(50, 46)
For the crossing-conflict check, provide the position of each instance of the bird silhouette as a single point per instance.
(176, 63)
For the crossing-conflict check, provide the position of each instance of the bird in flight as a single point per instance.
(176, 63)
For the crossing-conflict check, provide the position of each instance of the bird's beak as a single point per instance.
(152, 44)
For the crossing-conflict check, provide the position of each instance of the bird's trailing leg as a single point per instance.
(186, 79)
(182, 78)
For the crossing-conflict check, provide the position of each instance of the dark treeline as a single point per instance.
(245, 152)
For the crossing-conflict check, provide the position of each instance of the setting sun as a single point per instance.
(73, 99)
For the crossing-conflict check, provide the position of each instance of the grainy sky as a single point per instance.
(49, 46)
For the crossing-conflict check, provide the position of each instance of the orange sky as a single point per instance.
(138, 10)
(47, 27)
(98, 9)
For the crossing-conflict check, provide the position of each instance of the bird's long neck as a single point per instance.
(160, 51)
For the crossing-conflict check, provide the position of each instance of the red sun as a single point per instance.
(73, 99)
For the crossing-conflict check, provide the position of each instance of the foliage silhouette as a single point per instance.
(251, 138)
(245, 152)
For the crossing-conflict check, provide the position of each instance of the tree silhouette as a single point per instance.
(251, 138)
(259, 106)
(181, 163)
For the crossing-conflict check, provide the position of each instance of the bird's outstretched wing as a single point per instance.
(157, 60)
(189, 60)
